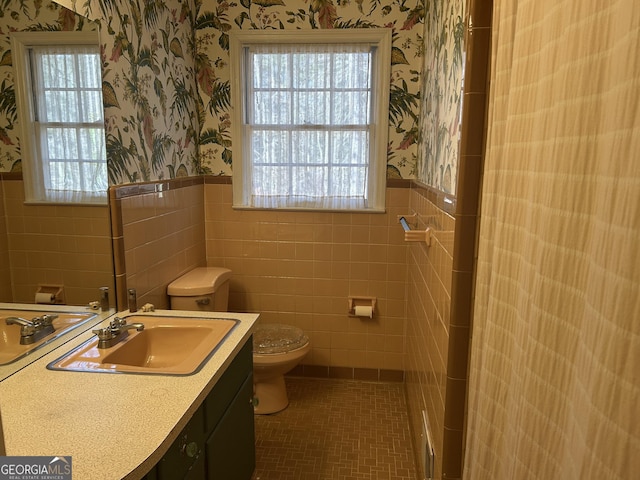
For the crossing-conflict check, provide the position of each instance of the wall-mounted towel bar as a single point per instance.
(408, 221)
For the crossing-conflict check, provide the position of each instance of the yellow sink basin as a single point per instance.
(10, 347)
(168, 345)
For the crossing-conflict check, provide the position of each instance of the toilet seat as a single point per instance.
(275, 338)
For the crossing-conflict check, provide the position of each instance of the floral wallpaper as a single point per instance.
(167, 86)
(24, 15)
(216, 19)
(442, 74)
(149, 89)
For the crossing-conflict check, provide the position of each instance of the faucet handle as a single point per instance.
(110, 330)
(49, 317)
(27, 330)
(117, 330)
(45, 320)
(103, 333)
(116, 324)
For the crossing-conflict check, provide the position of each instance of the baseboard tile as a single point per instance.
(348, 373)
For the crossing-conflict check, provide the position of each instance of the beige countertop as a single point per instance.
(114, 426)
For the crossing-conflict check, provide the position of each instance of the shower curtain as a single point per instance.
(555, 362)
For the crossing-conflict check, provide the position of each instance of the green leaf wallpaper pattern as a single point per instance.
(442, 75)
(150, 89)
(214, 21)
(166, 81)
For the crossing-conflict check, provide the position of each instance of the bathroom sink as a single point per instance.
(10, 347)
(159, 347)
(168, 345)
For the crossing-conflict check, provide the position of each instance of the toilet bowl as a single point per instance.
(277, 349)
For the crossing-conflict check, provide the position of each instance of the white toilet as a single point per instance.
(277, 348)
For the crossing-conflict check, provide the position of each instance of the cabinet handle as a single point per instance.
(190, 449)
(203, 301)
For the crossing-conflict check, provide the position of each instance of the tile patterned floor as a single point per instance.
(336, 430)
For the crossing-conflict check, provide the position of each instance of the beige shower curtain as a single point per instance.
(555, 363)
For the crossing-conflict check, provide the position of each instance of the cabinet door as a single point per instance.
(227, 387)
(181, 460)
(230, 450)
(198, 470)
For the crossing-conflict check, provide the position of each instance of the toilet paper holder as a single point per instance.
(50, 294)
(363, 307)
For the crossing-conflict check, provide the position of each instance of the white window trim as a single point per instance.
(20, 44)
(381, 37)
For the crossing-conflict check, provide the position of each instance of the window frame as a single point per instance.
(33, 175)
(381, 79)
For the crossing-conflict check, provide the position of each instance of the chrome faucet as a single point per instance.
(35, 329)
(117, 330)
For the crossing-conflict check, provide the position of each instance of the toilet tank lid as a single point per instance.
(199, 281)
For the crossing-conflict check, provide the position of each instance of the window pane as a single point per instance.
(349, 182)
(271, 181)
(269, 146)
(312, 108)
(350, 147)
(350, 108)
(58, 71)
(94, 176)
(62, 143)
(311, 70)
(272, 108)
(64, 176)
(271, 70)
(60, 106)
(92, 144)
(310, 147)
(352, 70)
(91, 106)
(89, 71)
(310, 181)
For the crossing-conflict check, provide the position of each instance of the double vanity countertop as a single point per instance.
(113, 425)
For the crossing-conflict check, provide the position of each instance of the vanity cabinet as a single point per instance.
(184, 459)
(219, 440)
(230, 449)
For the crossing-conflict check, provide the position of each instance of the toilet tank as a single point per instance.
(204, 289)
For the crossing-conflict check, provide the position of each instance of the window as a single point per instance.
(59, 97)
(310, 118)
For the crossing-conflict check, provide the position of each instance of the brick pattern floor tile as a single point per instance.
(336, 430)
